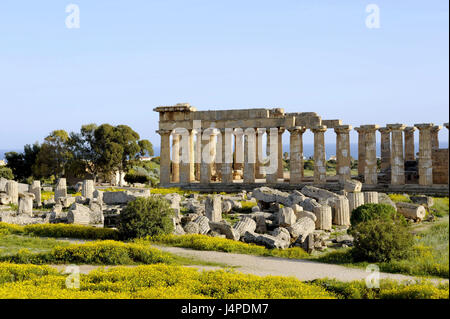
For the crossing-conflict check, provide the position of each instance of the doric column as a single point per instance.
(280, 152)
(410, 155)
(187, 169)
(435, 136)
(238, 149)
(343, 166)
(227, 155)
(249, 155)
(397, 159)
(207, 160)
(425, 149)
(198, 152)
(361, 151)
(385, 148)
(215, 166)
(296, 154)
(272, 153)
(259, 157)
(370, 165)
(175, 157)
(164, 171)
(320, 169)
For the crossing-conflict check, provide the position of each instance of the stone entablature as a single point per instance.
(226, 145)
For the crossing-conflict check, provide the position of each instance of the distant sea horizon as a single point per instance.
(308, 149)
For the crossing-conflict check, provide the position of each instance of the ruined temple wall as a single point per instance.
(440, 166)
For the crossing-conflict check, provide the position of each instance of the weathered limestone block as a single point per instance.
(250, 237)
(286, 217)
(178, 230)
(305, 213)
(203, 224)
(271, 242)
(61, 189)
(118, 198)
(227, 206)
(296, 197)
(225, 229)
(385, 199)
(192, 228)
(12, 190)
(174, 199)
(98, 195)
(302, 228)
(270, 195)
(317, 193)
(370, 197)
(3, 182)
(66, 201)
(26, 203)
(79, 214)
(410, 210)
(355, 200)
(87, 189)
(341, 211)
(352, 186)
(96, 215)
(261, 225)
(324, 217)
(5, 199)
(422, 200)
(213, 208)
(309, 204)
(35, 188)
(245, 224)
(281, 233)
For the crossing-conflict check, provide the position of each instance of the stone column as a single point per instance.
(341, 211)
(385, 148)
(249, 155)
(207, 161)
(355, 199)
(164, 171)
(320, 170)
(280, 152)
(272, 153)
(361, 151)
(238, 149)
(370, 197)
(12, 190)
(227, 155)
(198, 152)
(187, 169)
(323, 217)
(175, 157)
(87, 189)
(435, 136)
(258, 136)
(61, 189)
(36, 190)
(213, 153)
(370, 166)
(397, 159)
(296, 154)
(343, 166)
(425, 149)
(410, 154)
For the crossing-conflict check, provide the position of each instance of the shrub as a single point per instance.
(380, 240)
(146, 217)
(136, 178)
(368, 212)
(100, 253)
(60, 230)
(6, 172)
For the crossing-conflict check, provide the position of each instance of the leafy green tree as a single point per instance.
(21, 164)
(53, 155)
(6, 172)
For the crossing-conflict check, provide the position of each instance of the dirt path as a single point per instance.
(301, 269)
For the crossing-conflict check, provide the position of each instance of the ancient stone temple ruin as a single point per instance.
(223, 150)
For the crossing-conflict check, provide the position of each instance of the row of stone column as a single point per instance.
(192, 167)
(394, 152)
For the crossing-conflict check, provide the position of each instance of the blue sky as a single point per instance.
(128, 57)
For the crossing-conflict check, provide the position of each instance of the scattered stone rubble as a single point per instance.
(311, 218)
